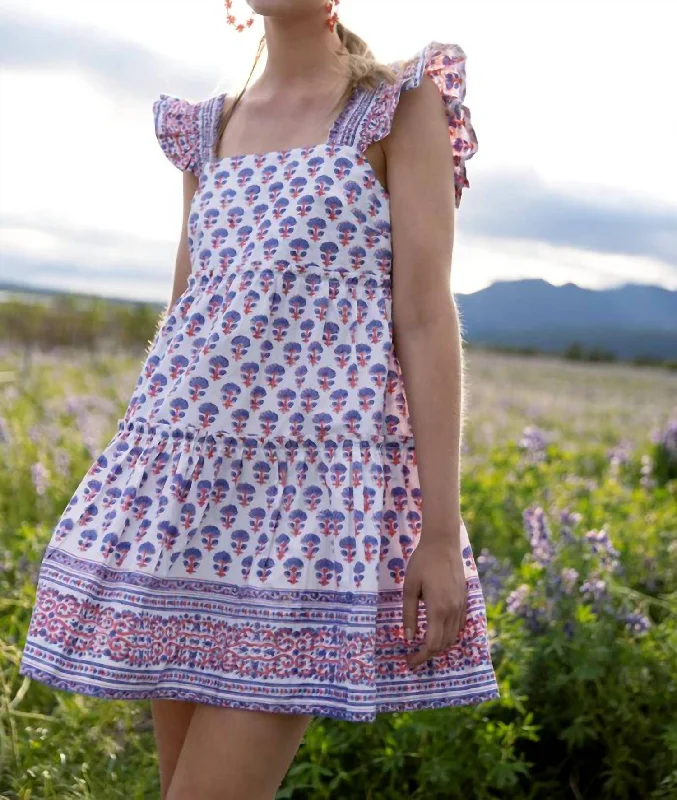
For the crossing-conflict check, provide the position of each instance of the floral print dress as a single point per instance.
(243, 539)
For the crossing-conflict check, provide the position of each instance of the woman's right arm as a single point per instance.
(183, 266)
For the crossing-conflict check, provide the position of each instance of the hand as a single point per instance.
(435, 574)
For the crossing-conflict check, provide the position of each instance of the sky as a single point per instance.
(575, 178)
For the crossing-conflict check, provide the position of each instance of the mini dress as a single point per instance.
(243, 538)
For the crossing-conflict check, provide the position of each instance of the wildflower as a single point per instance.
(516, 602)
(667, 439)
(36, 434)
(601, 545)
(568, 521)
(568, 578)
(619, 454)
(594, 589)
(637, 623)
(542, 549)
(663, 466)
(492, 573)
(534, 442)
(73, 404)
(40, 476)
(62, 461)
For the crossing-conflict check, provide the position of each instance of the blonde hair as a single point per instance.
(363, 71)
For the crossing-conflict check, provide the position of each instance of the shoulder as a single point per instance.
(185, 128)
(444, 64)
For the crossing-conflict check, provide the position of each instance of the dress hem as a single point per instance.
(428, 702)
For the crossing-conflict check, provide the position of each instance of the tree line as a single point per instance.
(52, 321)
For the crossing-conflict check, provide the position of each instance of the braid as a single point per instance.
(365, 70)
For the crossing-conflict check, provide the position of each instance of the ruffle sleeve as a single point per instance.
(445, 64)
(177, 127)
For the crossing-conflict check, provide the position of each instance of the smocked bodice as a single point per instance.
(284, 331)
(319, 207)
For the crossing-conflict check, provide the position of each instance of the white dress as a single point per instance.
(243, 539)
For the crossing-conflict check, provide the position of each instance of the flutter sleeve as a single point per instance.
(177, 127)
(445, 64)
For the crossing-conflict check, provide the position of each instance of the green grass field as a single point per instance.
(570, 499)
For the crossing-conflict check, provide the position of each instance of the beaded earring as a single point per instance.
(332, 16)
(239, 26)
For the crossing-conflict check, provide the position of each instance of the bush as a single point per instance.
(575, 536)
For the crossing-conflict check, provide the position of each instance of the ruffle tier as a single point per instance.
(252, 573)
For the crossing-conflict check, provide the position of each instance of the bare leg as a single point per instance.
(171, 719)
(231, 754)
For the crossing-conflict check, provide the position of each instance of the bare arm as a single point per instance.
(428, 345)
(183, 267)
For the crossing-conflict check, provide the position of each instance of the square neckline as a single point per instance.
(214, 158)
(377, 185)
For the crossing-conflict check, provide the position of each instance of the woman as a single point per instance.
(252, 548)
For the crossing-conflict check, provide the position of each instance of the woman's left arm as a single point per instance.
(427, 342)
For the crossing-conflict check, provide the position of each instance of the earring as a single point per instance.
(239, 26)
(332, 16)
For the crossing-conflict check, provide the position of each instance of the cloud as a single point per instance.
(102, 262)
(518, 205)
(125, 282)
(74, 235)
(514, 205)
(120, 67)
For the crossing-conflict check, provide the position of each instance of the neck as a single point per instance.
(301, 51)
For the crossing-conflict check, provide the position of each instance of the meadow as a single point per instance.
(570, 498)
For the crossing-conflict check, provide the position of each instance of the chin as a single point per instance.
(280, 8)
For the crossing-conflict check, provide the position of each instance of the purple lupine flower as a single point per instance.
(594, 589)
(601, 545)
(619, 454)
(533, 442)
(637, 623)
(663, 466)
(40, 476)
(516, 602)
(72, 404)
(667, 438)
(568, 577)
(536, 527)
(493, 573)
(568, 521)
(62, 462)
(35, 434)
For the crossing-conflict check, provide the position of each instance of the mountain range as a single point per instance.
(630, 321)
